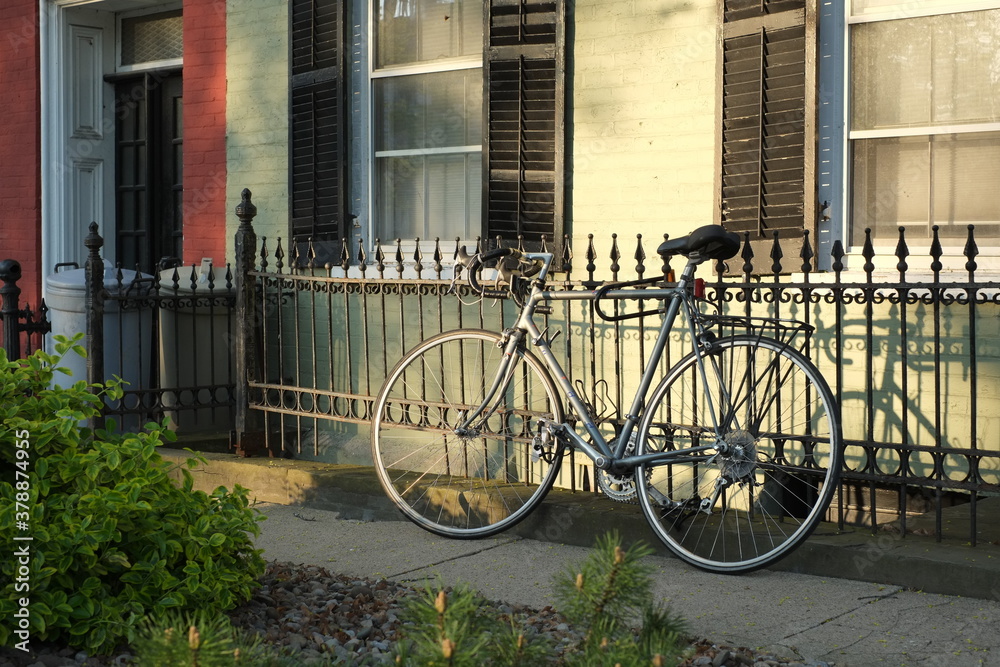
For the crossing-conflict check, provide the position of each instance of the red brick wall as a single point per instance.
(20, 148)
(204, 131)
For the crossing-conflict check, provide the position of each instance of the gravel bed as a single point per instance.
(320, 615)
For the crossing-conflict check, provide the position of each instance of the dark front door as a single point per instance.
(149, 151)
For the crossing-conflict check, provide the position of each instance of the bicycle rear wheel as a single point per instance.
(478, 483)
(758, 498)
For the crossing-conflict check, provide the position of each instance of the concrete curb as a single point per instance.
(917, 562)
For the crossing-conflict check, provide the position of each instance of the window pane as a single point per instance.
(401, 197)
(429, 110)
(891, 186)
(917, 182)
(430, 196)
(966, 170)
(935, 70)
(410, 31)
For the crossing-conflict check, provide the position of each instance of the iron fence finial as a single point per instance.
(776, 255)
(970, 251)
(639, 256)
(245, 210)
(747, 256)
(806, 254)
(902, 252)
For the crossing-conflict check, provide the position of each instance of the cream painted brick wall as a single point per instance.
(643, 120)
(257, 114)
(643, 117)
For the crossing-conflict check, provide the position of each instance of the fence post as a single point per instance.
(94, 304)
(10, 273)
(246, 440)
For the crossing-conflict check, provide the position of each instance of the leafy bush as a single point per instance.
(114, 539)
(608, 598)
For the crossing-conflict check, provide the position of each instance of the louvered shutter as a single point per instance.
(317, 121)
(524, 109)
(768, 117)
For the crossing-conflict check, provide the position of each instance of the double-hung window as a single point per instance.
(426, 119)
(427, 108)
(924, 119)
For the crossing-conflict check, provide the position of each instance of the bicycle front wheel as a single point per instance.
(762, 491)
(481, 481)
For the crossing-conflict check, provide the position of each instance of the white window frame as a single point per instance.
(834, 173)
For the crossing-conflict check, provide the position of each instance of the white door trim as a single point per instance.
(74, 148)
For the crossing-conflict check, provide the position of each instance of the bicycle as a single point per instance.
(734, 457)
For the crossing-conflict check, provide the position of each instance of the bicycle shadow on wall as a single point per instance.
(902, 417)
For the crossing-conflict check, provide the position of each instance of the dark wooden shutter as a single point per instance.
(317, 122)
(768, 117)
(524, 110)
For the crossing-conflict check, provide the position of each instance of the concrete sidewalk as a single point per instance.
(791, 615)
(849, 598)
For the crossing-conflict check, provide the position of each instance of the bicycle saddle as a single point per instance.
(708, 242)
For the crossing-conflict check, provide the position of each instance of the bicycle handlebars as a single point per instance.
(506, 273)
(481, 258)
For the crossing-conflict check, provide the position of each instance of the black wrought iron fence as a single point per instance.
(22, 329)
(169, 334)
(908, 358)
(913, 354)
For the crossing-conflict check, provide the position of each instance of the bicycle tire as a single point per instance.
(463, 486)
(779, 418)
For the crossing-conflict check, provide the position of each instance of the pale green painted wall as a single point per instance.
(643, 121)
(257, 113)
(641, 117)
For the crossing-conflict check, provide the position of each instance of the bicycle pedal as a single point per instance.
(539, 444)
(536, 450)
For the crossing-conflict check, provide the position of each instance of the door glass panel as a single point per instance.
(149, 175)
(152, 37)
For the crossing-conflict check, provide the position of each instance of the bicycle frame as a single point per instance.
(606, 455)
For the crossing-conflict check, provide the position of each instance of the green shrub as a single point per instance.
(113, 539)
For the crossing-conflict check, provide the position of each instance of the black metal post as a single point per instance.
(94, 303)
(246, 440)
(10, 273)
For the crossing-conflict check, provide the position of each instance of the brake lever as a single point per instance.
(462, 260)
(504, 275)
